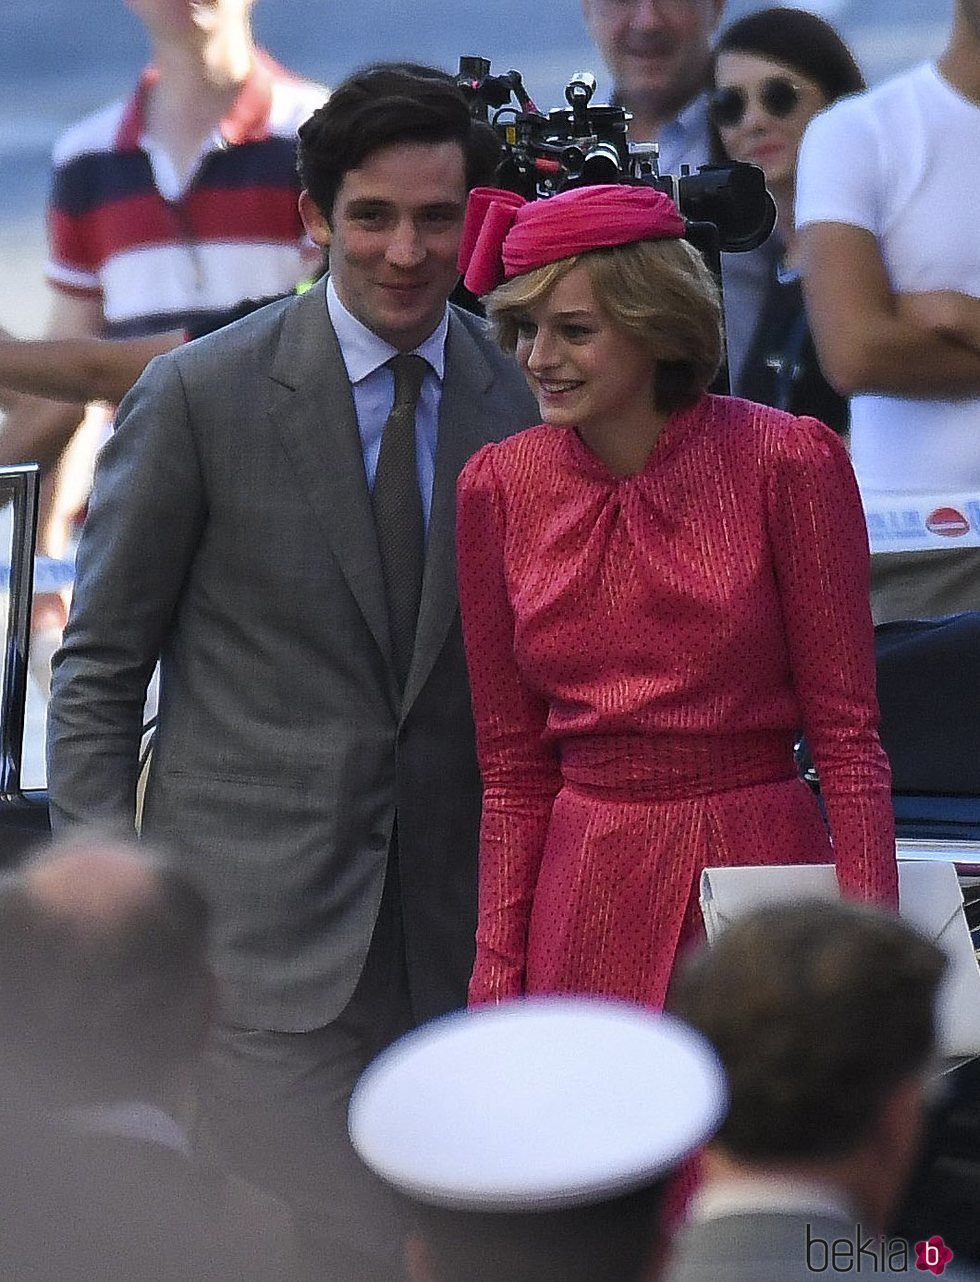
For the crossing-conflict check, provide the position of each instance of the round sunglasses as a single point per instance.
(777, 96)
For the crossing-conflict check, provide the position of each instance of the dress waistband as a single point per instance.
(671, 767)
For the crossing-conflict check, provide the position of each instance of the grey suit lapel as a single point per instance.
(312, 407)
(466, 421)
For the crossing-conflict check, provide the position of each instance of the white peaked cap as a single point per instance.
(536, 1104)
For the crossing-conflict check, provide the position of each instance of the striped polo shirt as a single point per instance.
(161, 255)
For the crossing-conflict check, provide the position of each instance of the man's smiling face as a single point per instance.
(393, 236)
(657, 50)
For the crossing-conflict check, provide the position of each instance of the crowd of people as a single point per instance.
(481, 631)
(543, 1139)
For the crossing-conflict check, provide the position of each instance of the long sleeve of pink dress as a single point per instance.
(643, 652)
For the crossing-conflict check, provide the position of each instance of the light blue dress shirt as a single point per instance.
(373, 384)
(686, 140)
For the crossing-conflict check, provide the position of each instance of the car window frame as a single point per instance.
(20, 485)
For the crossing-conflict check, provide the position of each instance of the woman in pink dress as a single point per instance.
(659, 589)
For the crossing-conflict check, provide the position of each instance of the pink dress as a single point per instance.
(643, 651)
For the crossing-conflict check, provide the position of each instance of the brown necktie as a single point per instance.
(397, 506)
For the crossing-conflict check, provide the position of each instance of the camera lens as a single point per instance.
(601, 163)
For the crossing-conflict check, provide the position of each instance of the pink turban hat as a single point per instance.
(504, 235)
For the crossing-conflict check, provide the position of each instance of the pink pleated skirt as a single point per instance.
(617, 897)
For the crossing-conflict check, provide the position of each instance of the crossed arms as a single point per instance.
(870, 339)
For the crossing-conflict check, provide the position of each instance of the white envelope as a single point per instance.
(930, 899)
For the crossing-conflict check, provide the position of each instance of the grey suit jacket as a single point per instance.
(230, 534)
(775, 1247)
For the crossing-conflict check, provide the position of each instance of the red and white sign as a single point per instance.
(922, 522)
(948, 522)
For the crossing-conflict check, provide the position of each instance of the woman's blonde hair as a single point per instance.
(659, 291)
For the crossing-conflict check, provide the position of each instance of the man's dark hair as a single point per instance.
(610, 1239)
(817, 1011)
(381, 106)
(97, 1010)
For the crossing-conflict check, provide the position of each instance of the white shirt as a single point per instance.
(901, 161)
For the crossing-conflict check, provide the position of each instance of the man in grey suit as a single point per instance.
(318, 768)
(823, 1017)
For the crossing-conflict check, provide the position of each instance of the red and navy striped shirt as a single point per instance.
(161, 256)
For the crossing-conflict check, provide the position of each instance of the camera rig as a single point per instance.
(727, 207)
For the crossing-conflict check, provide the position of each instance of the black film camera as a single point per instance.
(727, 207)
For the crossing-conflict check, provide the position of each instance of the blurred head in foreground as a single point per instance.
(823, 1016)
(105, 990)
(532, 1140)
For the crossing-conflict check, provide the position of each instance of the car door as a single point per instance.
(23, 795)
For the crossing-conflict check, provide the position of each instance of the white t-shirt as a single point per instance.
(903, 162)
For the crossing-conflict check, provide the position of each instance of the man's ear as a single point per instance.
(314, 220)
(901, 1116)
(891, 1146)
(418, 1259)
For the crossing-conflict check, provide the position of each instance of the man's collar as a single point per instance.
(133, 1121)
(755, 1194)
(247, 121)
(690, 124)
(364, 352)
(692, 116)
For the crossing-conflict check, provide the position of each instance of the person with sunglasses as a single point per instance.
(887, 193)
(774, 71)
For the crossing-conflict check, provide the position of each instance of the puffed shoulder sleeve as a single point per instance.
(820, 551)
(520, 771)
